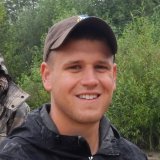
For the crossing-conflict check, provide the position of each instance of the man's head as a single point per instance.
(78, 69)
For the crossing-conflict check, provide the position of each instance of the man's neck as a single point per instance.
(88, 131)
(92, 137)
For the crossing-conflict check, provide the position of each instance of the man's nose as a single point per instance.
(89, 78)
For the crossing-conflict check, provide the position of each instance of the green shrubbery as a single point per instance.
(136, 105)
(32, 83)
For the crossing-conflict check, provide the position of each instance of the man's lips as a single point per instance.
(88, 96)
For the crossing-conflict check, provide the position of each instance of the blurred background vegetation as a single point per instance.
(136, 104)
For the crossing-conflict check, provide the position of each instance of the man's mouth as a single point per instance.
(88, 96)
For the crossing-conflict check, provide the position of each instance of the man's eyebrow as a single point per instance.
(103, 62)
(73, 62)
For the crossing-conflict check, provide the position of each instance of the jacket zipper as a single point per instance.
(90, 158)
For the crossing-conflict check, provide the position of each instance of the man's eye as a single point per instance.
(74, 68)
(101, 68)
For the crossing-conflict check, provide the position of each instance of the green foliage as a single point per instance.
(2, 13)
(136, 103)
(3, 26)
(15, 7)
(24, 34)
(27, 30)
(32, 83)
(119, 12)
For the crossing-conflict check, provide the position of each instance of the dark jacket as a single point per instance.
(38, 139)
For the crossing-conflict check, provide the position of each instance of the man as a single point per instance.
(13, 109)
(80, 74)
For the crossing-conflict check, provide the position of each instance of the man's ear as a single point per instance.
(114, 75)
(46, 76)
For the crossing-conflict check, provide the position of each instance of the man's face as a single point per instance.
(81, 79)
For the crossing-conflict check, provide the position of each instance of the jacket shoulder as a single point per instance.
(130, 151)
(13, 149)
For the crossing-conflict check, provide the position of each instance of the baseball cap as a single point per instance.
(59, 32)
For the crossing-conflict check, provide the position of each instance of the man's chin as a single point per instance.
(89, 119)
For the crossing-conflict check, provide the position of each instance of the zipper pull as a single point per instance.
(90, 158)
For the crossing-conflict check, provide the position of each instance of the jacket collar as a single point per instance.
(15, 96)
(108, 134)
(108, 138)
